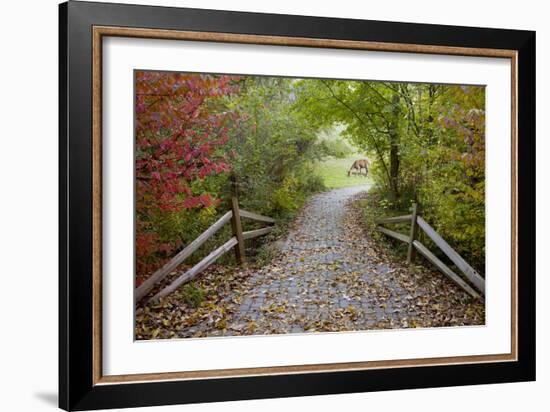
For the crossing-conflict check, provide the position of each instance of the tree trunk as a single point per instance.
(394, 147)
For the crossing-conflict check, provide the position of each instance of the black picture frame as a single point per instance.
(77, 390)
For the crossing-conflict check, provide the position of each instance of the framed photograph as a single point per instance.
(256, 205)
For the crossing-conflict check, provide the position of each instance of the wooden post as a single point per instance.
(237, 230)
(233, 186)
(412, 236)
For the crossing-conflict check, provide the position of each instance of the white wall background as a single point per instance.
(28, 203)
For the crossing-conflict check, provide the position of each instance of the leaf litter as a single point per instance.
(332, 277)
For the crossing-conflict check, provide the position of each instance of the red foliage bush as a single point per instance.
(180, 132)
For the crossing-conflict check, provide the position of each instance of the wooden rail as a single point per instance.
(424, 251)
(394, 234)
(198, 268)
(395, 219)
(414, 245)
(160, 274)
(236, 242)
(255, 233)
(255, 216)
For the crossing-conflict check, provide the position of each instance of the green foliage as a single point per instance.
(271, 151)
(275, 147)
(335, 148)
(331, 144)
(192, 294)
(266, 253)
(426, 144)
(284, 139)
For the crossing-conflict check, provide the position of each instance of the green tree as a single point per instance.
(427, 144)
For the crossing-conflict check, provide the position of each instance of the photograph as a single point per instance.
(269, 205)
(264, 204)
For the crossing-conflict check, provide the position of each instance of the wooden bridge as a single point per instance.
(236, 242)
(476, 287)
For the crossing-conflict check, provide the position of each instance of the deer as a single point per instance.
(359, 165)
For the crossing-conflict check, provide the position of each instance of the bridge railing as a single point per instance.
(477, 287)
(236, 242)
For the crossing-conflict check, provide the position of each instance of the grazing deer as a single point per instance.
(359, 165)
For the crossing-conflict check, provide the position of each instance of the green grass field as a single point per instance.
(335, 173)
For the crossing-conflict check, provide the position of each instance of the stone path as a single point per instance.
(330, 276)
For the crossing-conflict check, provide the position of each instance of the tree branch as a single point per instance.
(362, 122)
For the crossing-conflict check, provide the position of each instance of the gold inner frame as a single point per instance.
(100, 31)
